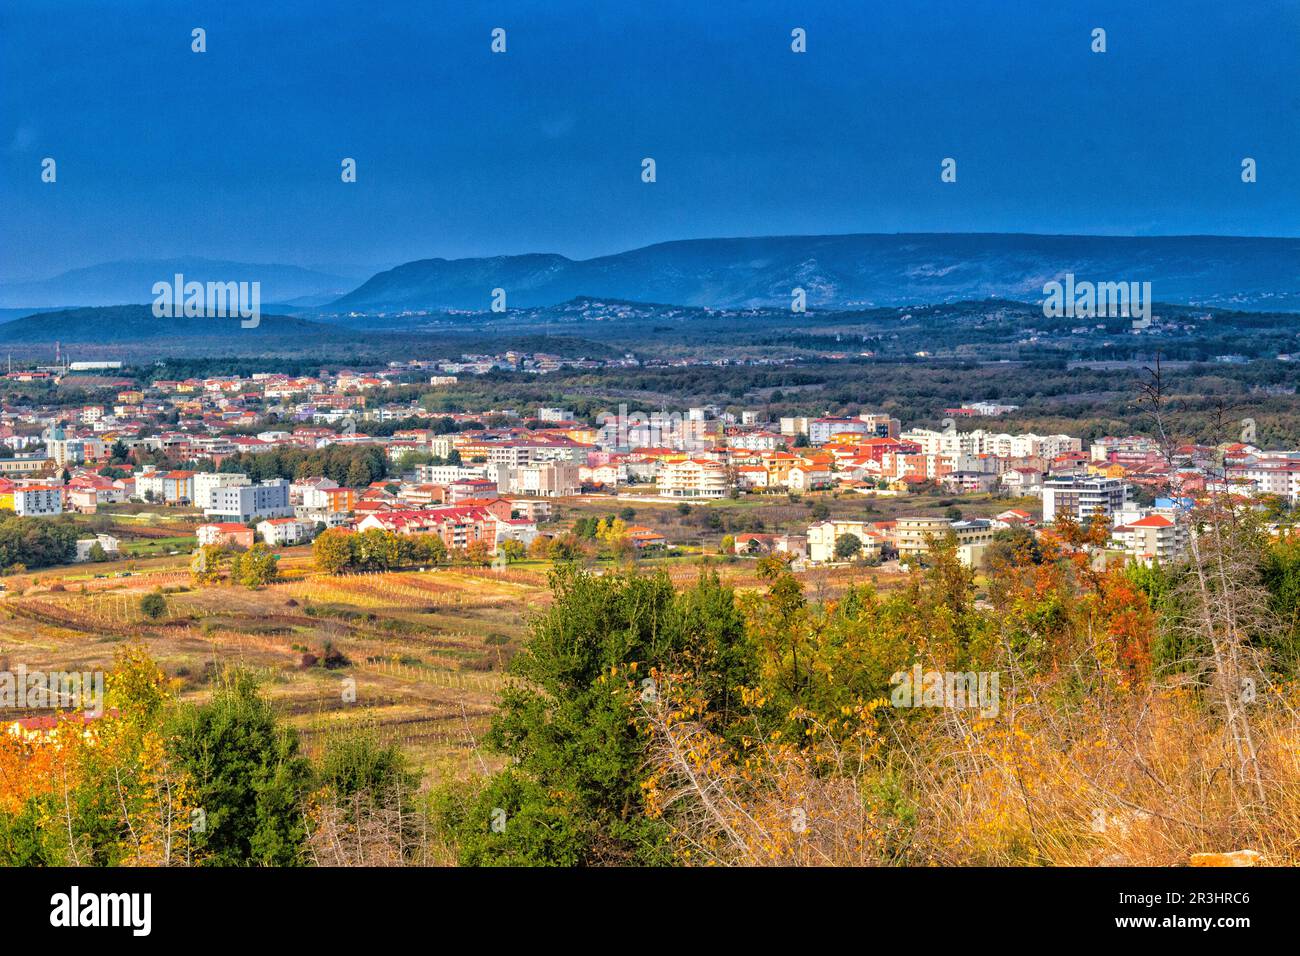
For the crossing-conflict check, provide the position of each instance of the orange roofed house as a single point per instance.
(225, 534)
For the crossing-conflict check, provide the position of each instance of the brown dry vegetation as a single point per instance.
(427, 650)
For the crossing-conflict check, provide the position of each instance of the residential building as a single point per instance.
(823, 535)
(37, 501)
(820, 430)
(329, 500)
(646, 539)
(488, 524)
(458, 491)
(1155, 538)
(205, 482)
(969, 482)
(444, 474)
(692, 478)
(86, 545)
(806, 477)
(225, 534)
(913, 535)
(552, 479)
(245, 503)
(284, 532)
(1080, 498)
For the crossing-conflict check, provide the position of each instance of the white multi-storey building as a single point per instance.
(207, 482)
(1080, 498)
(37, 502)
(552, 479)
(245, 503)
(445, 474)
(692, 478)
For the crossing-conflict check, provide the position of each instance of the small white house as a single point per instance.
(281, 532)
(105, 541)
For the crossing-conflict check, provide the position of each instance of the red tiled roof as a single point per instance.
(1152, 521)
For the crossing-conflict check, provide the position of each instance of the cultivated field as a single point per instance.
(422, 654)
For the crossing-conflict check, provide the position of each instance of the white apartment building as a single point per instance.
(245, 503)
(442, 445)
(997, 444)
(692, 478)
(1082, 497)
(938, 443)
(515, 454)
(206, 482)
(794, 426)
(820, 430)
(552, 479)
(445, 474)
(38, 502)
(1268, 477)
(756, 441)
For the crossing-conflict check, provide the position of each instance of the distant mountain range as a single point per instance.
(836, 272)
(132, 281)
(854, 271)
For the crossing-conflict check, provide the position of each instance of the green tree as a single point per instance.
(511, 820)
(153, 605)
(570, 722)
(256, 567)
(358, 474)
(356, 761)
(249, 776)
(430, 549)
(370, 550)
(1012, 546)
(847, 546)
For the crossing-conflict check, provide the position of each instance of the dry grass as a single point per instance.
(1142, 778)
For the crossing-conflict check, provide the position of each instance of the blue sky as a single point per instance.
(235, 153)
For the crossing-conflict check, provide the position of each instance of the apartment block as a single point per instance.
(245, 503)
(692, 478)
(1080, 498)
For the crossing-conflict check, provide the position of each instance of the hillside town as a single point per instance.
(479, 480)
